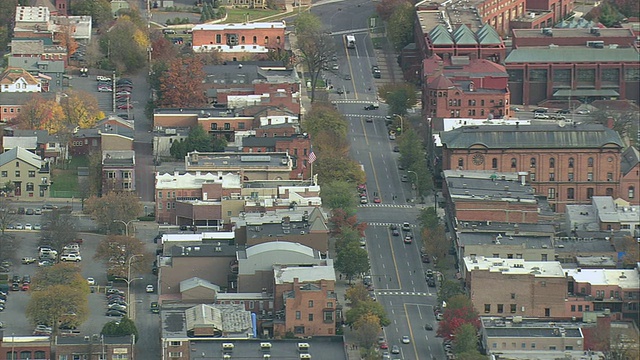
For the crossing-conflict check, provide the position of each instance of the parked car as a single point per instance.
(29, 211)
(155, 308)
(125, 106)
(118, 307)
(115, 313)
(91, 281)
(71, 257)
(150, 288)
(28, 260)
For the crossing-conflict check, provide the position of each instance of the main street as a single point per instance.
(396, 269)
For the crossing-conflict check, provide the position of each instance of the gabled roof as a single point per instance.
(551, 136)
(318, 225)
(441, 82)
(487, 35)
(439, 35)
(194, 282)
(464, 36)
(11, 75)
(18, 153)
(629, 160)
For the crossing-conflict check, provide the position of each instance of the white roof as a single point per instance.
(514, 266)
(624, 278)
(280, 246)
(25, 142)
(243, 26)
(285, 275)
(224, 235)
(610, 212)
(195, 181)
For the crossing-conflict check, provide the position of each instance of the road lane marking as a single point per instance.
(355, 90)
(364, 130)
(413, 342)
(375, 176)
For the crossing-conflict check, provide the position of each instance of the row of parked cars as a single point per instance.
(116, 303)
(123, 90)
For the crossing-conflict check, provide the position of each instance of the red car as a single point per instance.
(384, 346)
(125, 106)
(377, 200)
(25, 287)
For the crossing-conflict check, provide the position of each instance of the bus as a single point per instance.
(351, 41)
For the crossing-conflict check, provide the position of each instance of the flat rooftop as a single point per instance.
(610, 212)
(573, 33)
(195, 180)
(487, 186)
(241, 26)
(320, 347)
(529, 328)
(205, 250)
(524, 242)
(273, 216)
(514, 266)
(624, 278)
(506, 228)
(286, 275)
(570, 54)
(234, 161)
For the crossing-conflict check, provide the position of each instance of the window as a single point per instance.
(569, 347)
(494, 163)
(609, 192)
(17, 173)
(17, 163)
(460, 162)
(241, 125)
(175, 354)
(214, 126)
(514, 163)
(518, 256)
(609, 176)
(547, 312)
(570, 193)
(589, 193)
(631, 192)
(523, 345)
(30, 186)
(552, 163)
(573, 308)
(532, 176)
(533, 345)
(500, 308)
(32, 173)
(570, 176)
(512, 308)
(533, 162)
(487, 308)
(298, 329)
(13, 355)
(543, 257)
(159, 194)
(218, 38)
(513, 295)
(590, 162)
(242, 39)
(298, 315)
(227, 126)
(551, 194)
(589, 176)
(310, 303)
(587, 308)
(5, 174)
(310, 317)
(552, 176)
(175, 343)
(571, 162)
(39, 355)
(266, 40)
(328, 316)
(330, 305)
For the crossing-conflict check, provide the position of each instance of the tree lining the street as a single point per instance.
(8, 216)
(459, 311)
(58, 304)
(123, 327)
(117, 252)
(315, 46)
(115, 205)
(352, 260)
(59, 229)
(399, 97)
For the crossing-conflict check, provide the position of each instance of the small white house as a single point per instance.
(19, 80)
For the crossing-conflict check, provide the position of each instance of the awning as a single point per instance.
(585, 92)
(41, 75)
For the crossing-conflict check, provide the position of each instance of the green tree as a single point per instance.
(59, 229)
(8, 216)
(428, 218)
(357, 293)
(314, 46)
(466, 339)
(435, 242)
(399, 97)
(60, 274)
(348, 236)
(325, 119)
(112, 206)
(400, 25)
(386, 8)
(448, 289)
(339, 195)
(99, 10)
(198, 140)
(608, 15)
(367, 329)
(363, 308)
(411, 150)
(56, 304)
(338, 169)
(125, 327)
(125, 45)
(352, 260)
(425, 181)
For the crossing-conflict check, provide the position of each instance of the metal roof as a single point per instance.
(571, 54)
(464, 36)
(549, 136)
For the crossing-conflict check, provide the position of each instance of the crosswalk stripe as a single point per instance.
(401, 293)
(387, 224)
(387, 205)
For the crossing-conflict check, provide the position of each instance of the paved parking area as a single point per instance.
(90, 85)
(14, 314)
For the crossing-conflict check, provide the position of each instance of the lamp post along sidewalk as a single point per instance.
(129, 280)
(126, 225)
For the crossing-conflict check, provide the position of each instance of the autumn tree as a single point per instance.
(386, 8)
(181, 86)
(116, 252)
(400, 25)
(630, 248)
(314, 46)
(123, 327)
(341, 220)
(399, 96)
(81, 109)
(457, 315)
(435, 242)
(39, 113)
(59, 229)
(112, 206)
(339, 195)
(367, 329)
(64, 37)
(99, 10)
(352, 260)
(363, 308)
(325, 119)
(125, 45)
(197, 140)
(55, 304)
(356, 294)
(60, 274)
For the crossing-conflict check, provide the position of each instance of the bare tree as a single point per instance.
(314, 45)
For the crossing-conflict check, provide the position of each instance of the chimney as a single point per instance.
(610, 122)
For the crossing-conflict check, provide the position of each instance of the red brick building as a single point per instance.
(560, 8)
(630, 176)
(239, 41)
(24, 347)
(463, 87)
(298, 146)
(563, 64)
(567, 164)
(533, 19)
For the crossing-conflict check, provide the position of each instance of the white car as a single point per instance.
(71, 257)
(91, 281)
(19, 226)
(150, 288)
(28, 227)
(406, 340)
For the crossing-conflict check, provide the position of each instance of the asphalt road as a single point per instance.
(396, 269)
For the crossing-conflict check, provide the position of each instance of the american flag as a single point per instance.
(312, 157)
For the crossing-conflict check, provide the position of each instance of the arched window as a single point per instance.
(266, 40)
(514, 163)
(533, 162)
(552, 163)
(255, 39)
(494, 163)
(632, 192)
(242, 39)
(39, 355)
(460, 162)
(278, 40)
(571, 162)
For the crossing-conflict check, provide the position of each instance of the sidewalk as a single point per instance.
(349, 337)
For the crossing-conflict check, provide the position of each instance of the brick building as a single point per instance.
(567, 164)
(307, 297)
(630, 177)
(533, 19)
(262, 166)
(118, 170)
(564, 64)
(24, 347)
(239, 41)
(94, 347)
(464, 87)
(298, 146)
(559, 8)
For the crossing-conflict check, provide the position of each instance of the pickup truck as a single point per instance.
(71, 257)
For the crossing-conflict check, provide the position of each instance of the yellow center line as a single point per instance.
(415, 349)
(355, 91)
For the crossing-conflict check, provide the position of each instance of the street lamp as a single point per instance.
(401, 122)
(417, 185)
(126, 225)
(129, 280)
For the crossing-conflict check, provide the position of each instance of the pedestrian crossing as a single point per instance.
(408, 293)
(387, 224)
(354, 101)
(387, 205)
(364, 116)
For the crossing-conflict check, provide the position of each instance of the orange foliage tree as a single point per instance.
(40, 114)
(181, 86)
(65, 38)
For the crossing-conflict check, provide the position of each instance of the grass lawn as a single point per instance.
(240, 15)
(65, 180)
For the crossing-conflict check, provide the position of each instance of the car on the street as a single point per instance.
(28, 260)
(369, 119)
(103, 78)
(38, 211)
(563, 111)
(406, 339)
(384, 345)
(363, 200)
(91, 281)
(408, 239)
(540, 116)
(395, 349)
(372, 106)
(150, 288)
(404, 178)
(155, 308)
(347, 77)
(340, 91)
(392, 136)
(115, 291)
(114, 312)
(395, 232)
(428, 326)
(104, 89)
(25, 287)
(125, 106)
(377, 200)
(396, 148)
(26, 279)
(583, 112)
(393, 227)
(406, 226)
(29, 211)
(425, 258)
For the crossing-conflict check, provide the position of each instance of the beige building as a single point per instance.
(263, 166)
(27, 172)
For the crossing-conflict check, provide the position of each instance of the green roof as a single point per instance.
(586, 92)
(439, 35)
(487, 35)
(571, 54)
(551, 136)
(464, 36)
